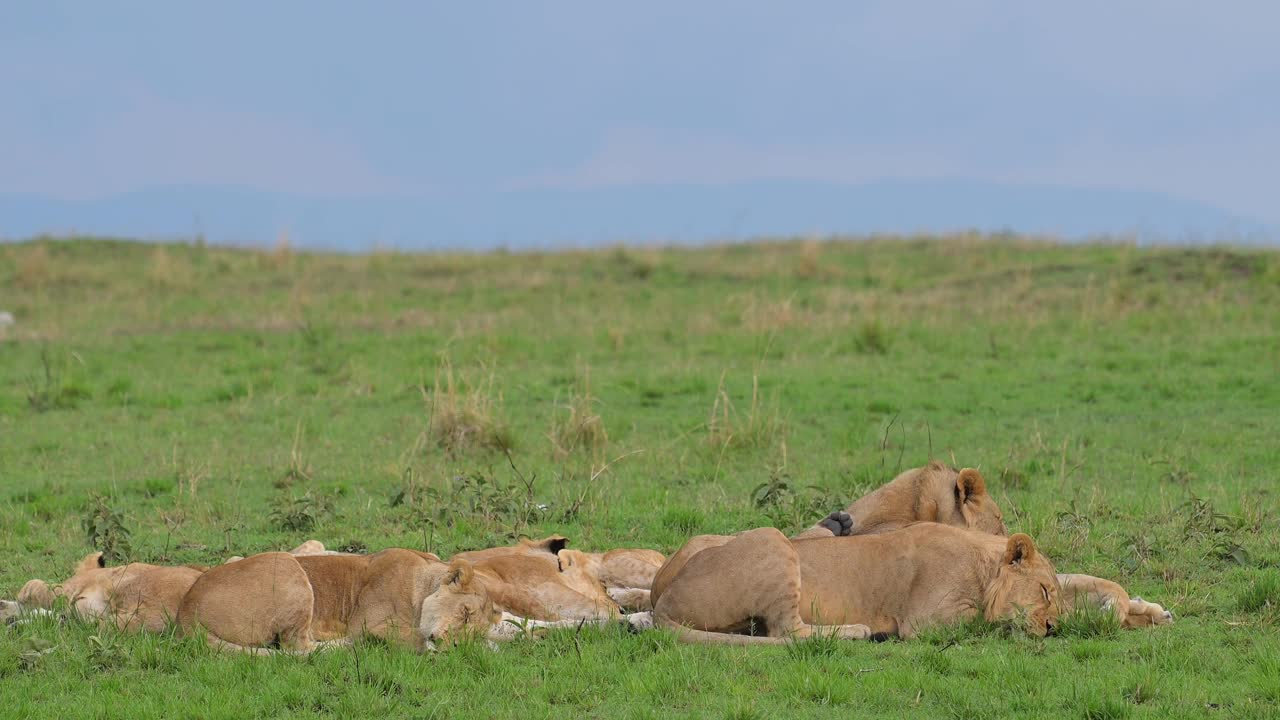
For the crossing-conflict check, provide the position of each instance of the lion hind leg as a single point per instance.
(330, 644)
(752, 580)
(511, 626)
(703, 637)
(297, 641)
(1143, 614)
(219, 644)
(855, 631)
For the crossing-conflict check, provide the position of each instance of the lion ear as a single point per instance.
(552, 543)
(92, 561)
(566, 559)
(460, 573)
(1019, 550)
(969, 484)
(569, 558)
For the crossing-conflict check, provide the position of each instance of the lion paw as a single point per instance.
(853, 632)
(630, 598)
(639, 621)
(1154, 613)
(840, 523)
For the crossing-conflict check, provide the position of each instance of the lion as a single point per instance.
(959, 498)
(133, 597)
(306, 547)
(759, 587)
(933, 493)
(626, 573)
(544, 580)
(296, 604)
(535, 584)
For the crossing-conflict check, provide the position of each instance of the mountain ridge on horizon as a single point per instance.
(666, 213)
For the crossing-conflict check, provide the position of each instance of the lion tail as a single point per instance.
(702, 637)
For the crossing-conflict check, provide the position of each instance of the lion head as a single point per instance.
(581, 573)
(36, 594)
(1025, 588)
(460, 606)
(978, 508)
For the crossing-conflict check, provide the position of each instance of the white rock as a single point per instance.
(6, 318)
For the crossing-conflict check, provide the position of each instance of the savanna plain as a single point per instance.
(179, 403)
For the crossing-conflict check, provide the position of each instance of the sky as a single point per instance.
(414, 98)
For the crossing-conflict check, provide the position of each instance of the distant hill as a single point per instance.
(693, 213)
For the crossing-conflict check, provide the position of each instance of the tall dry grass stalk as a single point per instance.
(33, 266)
(188, 475)
(760, 426)
(168, 270)
(583, 428)
(280, 257)
(809, 266)
(766, 315)
(464, 416)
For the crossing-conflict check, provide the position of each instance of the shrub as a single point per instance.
(300, 514)
(106, 531)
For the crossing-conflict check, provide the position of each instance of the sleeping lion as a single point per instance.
(937, 493)
(758, 587)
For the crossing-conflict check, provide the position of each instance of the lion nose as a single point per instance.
(1050, 628)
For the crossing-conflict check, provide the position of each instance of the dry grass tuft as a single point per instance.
(465, 417)
(33, 266)
(168, 270)
(280, 257)
(810, 264)
(583, 429)
(759, 427)
(765, 315)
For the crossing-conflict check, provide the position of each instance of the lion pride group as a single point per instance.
(926, 549)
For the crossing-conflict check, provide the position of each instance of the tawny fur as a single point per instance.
(1129, 612)
(933, 493)
(936, 493)
(137, 596)
(894, 584)
(279, 600)
(545, 580)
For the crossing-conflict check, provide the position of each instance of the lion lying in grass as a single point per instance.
(529, 580)
(312, 596)
(933, 493)
(137, 596)
(294, 603)
(716, 588)
(959, 498)
(544, 580)
(534, 584)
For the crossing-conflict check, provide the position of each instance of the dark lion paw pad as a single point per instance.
(840, 523)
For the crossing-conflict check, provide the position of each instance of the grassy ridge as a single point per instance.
(1122, 403)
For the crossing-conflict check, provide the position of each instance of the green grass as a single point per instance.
(202, 402)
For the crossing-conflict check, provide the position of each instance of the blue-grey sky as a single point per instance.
(348, 99)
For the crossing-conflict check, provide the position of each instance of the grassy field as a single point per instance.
(1123, 404)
